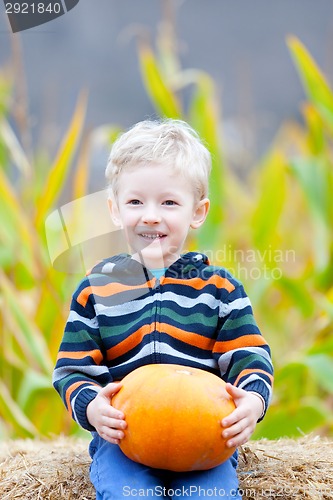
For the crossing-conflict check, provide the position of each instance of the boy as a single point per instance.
(158, 306)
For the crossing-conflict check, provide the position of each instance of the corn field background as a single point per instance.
(272, 228)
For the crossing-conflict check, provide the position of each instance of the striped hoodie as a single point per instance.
(122, 317)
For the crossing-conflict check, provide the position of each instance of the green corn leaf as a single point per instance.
(322, 347)
(321, 367)
(81, 177)
(299, 295)
(14, 147)
(60, 169)
(313, 80)
(12, 413)
(292, 374)
(5, 92)
(16, 230)
(315, 129)
(272, 186)
(25, 330)
(293, 422)
(203, 116)
(316, 180)
(160, 94)
(32, 383)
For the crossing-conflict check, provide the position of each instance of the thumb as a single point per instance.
(110, 389)
(233, 391)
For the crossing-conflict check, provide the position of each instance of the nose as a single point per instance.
(151, 215)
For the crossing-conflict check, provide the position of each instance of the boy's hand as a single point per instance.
(107, 421)
(242, 421)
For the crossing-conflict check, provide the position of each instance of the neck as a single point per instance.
(158, 263)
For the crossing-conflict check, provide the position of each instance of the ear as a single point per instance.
(200, 213)
(115, 216)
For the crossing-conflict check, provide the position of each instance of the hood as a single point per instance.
(124, 264)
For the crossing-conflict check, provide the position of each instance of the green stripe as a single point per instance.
(64, 381)
(180, 321)
(247, 319)
(81, 336)
(196, 317)
(114, 330)
(245, 363)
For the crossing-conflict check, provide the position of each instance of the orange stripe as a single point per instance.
(136, 337)
(199, 283)
(96, 355)
(129, 343)
(109, 289)
(70, 391)
(248, 371)
(244, 341)
(194, 339)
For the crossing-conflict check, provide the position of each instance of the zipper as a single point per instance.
(157, 304)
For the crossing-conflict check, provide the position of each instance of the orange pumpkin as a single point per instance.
(173, 416)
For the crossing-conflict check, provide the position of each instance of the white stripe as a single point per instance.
(107, 268)
(123, 309)
(74, 316)
(167, 349)
(224, 359)
(91, 370)
(164, 348)
(237, 304)
(137, 305)
(187, 302)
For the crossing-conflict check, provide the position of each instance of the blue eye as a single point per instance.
(134, 202)
(169, 202)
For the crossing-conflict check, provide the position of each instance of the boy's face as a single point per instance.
(156, 207)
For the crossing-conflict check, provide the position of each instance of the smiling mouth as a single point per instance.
(152, 236)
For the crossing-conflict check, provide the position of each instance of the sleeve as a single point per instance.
(242, 353)
(79, 372)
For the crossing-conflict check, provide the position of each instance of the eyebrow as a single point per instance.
(165, 194)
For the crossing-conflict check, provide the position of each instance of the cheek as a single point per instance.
(129, 218)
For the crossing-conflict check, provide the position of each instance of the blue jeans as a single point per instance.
(115, 476)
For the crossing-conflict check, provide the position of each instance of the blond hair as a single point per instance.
(167, 142)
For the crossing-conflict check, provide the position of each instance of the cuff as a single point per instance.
(261, 389)
(80, 407)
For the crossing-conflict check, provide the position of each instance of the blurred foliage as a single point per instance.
(272, 229)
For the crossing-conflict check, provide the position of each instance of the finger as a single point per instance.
(113, 423)
(234, 417)
(108, 433)
(111, 412)
(106, 437)
(236, 429)
(235, 392)
(240, 439)
(110, 389)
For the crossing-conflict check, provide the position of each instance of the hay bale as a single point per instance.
(35, 469)
(287, 469)
(58, 469)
